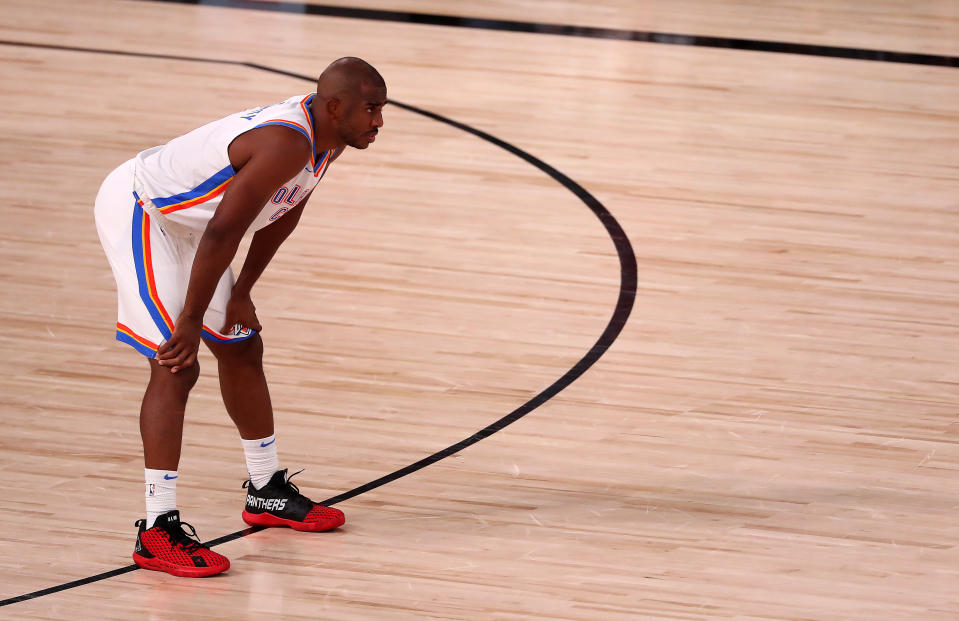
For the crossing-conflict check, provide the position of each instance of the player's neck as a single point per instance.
(324, 138)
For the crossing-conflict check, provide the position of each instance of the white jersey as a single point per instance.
(182, 182)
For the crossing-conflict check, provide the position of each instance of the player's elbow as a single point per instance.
(223, 233)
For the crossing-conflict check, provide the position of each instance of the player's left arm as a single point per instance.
(265, 243)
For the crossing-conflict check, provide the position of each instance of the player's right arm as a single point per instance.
(264, 159)
(240, 309)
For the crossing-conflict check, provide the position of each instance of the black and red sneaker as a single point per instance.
(167, 547)
(280, 503)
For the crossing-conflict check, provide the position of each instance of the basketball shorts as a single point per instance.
(152, 268)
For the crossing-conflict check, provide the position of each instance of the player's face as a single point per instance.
(363, 117)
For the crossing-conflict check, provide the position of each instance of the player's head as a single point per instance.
(353, 94)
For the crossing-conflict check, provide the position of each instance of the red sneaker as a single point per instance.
(167, 547)
(280, 503)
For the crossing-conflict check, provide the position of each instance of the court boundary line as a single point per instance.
(592, 32)
(624, 306)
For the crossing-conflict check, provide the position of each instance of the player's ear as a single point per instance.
(334, 107)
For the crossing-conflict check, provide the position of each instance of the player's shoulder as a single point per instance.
(271, 143)
(276, 138)
(280, 131)
(292, 110)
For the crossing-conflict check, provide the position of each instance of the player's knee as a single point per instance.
(249, 351)
(189, 375)
(181, 382)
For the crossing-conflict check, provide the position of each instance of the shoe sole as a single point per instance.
(156, 564)
(266, 519)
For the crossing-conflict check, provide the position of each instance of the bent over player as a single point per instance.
(170, 221)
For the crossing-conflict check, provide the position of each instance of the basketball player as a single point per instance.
(170, 221)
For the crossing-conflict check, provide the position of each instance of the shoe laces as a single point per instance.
(249, 484)
(190, 541)
(291, 483)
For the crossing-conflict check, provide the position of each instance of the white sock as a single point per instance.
(261, 459)
(160, 493)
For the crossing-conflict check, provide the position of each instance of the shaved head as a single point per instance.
(346, 77)
(350, 95)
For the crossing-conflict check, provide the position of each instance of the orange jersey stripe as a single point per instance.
(309, 120)
(134, 335)
(326, 162)
(199, 199)
(148, 263)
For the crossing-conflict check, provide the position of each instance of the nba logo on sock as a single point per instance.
(153, 490)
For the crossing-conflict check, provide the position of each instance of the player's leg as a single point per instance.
(272, 500)
(243, 386)
(163, 543)
(141, 257)
(161, 415)
(161, 430)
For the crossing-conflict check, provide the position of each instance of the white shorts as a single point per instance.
(152, 268)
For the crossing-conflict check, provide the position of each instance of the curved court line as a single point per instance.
(624, 305)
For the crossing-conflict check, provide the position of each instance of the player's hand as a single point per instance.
(180, 350)
(240, 310)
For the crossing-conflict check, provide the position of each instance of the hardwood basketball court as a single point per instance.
(773, 434)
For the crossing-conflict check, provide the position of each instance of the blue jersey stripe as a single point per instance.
(123, 337)
(140, 266)
(219, 339)
(210, 184)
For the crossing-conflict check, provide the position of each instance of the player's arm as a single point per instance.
(266, 241)
(264, 160)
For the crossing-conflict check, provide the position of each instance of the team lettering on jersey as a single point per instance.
(252, 113)
(289, 196)
(288, 193)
